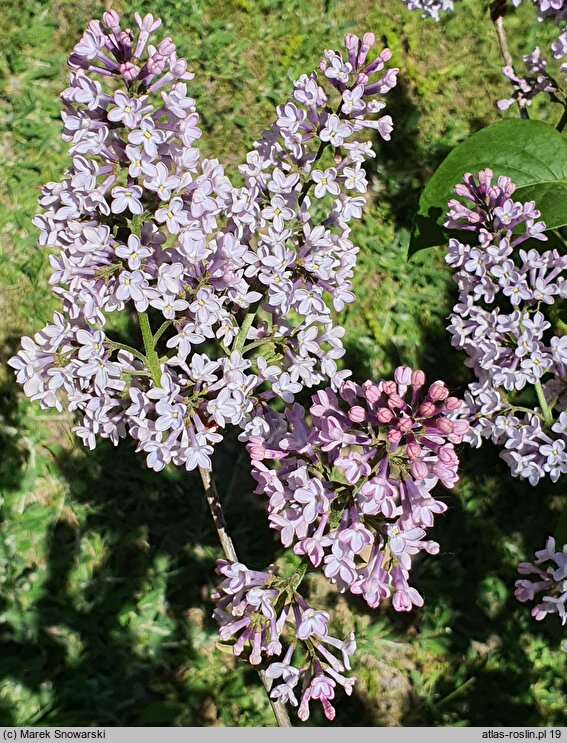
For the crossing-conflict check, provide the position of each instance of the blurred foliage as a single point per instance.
(106, 569)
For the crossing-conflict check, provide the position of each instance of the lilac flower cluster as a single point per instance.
(352, 486)
(551, 581)
(430, 8)
(500, 322)
(269, 620)
(142, 224)
(538, 78)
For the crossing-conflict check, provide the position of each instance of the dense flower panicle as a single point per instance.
(550, 581)
(351, 489)
(430, 8)
(142, 223)
(269, 621)
(500, 322)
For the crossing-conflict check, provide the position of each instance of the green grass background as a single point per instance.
(105, 569)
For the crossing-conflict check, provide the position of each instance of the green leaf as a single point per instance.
(532, 153)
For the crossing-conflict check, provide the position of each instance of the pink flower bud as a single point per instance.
(125, 38)
(111, 20)
(129, 71)
(389, 387)
(403, 375)
(460, 427)
(417, 379)
(445, 425)
(384, 415)
(372, 393)
(413, 450)
(357, 414)
(419, 469)
(405, 424)
(438, 391)
(426, 409)
(447, 455)
(395, 401)
(453, 403)
(394, 437)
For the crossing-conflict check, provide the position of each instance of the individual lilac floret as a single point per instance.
(351, 489)
(268, 620)
(550, 581)
(142, 224)
(500, 321)
(430, 8)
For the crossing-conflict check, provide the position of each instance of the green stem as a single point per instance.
(547, 414)
(161, 330)
(255, 344)
(123, 347)
(149, 345)
(240, 339)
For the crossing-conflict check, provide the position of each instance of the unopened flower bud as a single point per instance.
(445, 425)
(129, 71)
(453, 403)
(413, 450)
(111, 20)
(372, 393)
(394, 437)
(419, 469)
(417, 379)
(438, 391)
(395, 401)
(403, 375)
(357, 414)
(384, 415)
(426, 409)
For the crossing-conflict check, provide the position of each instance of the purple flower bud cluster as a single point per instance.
(539, 79)
(551, 581)
(142, 224)
(270, 621)
(500, 322)
(351, 489)
(430, 8)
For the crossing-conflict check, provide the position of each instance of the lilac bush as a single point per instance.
(501, 323)
(233, 290)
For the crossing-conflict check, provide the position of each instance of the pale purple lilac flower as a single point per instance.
(551, 581)
(265, 619)
(430, 8)
(141, 222)
(351, 480)
(500, 321)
